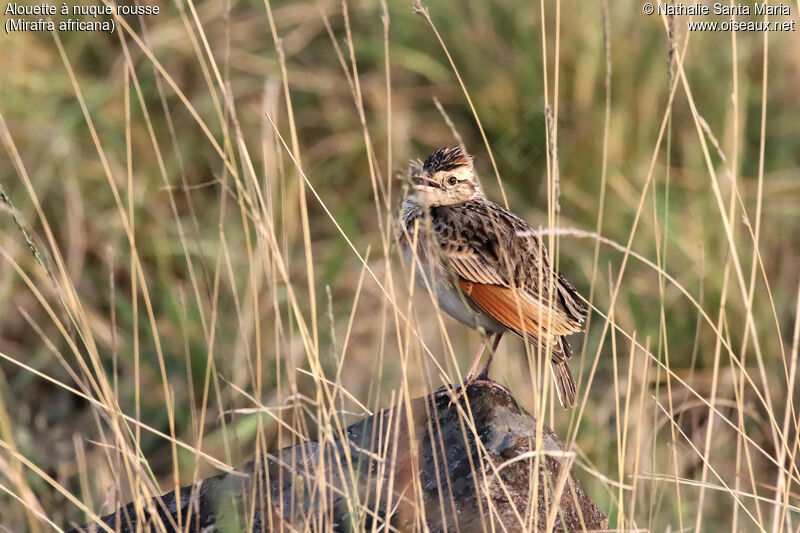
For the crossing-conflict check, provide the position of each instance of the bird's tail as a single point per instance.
(565, 384)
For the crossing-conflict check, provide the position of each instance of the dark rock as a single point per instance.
(372, 475)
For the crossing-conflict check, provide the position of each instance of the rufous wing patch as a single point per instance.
(516, 311)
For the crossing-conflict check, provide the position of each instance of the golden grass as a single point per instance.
(203, 267)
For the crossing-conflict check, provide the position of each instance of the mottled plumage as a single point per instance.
(487, 266)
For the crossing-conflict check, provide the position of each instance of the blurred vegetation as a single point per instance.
(497, 47)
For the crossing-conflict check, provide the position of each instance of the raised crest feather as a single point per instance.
(446, 159)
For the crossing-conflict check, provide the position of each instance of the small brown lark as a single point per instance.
(486, 266)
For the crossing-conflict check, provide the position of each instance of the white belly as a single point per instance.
(450, 300)
(457, 305)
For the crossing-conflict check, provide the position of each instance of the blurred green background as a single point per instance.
(181, 212)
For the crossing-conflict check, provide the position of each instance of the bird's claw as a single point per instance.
(461, 390)
(480, 379)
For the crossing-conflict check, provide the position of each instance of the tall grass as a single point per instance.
(198, 260)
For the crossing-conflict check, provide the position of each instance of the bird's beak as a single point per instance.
(421, 180)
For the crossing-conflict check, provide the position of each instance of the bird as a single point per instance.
(486, 266)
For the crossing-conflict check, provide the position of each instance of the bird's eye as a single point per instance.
(452, 180)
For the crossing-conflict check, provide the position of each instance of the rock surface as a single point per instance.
(383, 468)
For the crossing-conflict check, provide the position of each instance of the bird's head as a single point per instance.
(446, 177)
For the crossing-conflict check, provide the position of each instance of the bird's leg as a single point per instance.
(484, 374)
(477, 359)
(462, 389)
(483, 377)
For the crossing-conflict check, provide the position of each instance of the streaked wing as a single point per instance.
(467, 264)
(473, 244)
(500, 259)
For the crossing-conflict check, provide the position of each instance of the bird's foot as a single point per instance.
(458, 392)
(486, 382)
(481, 379)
